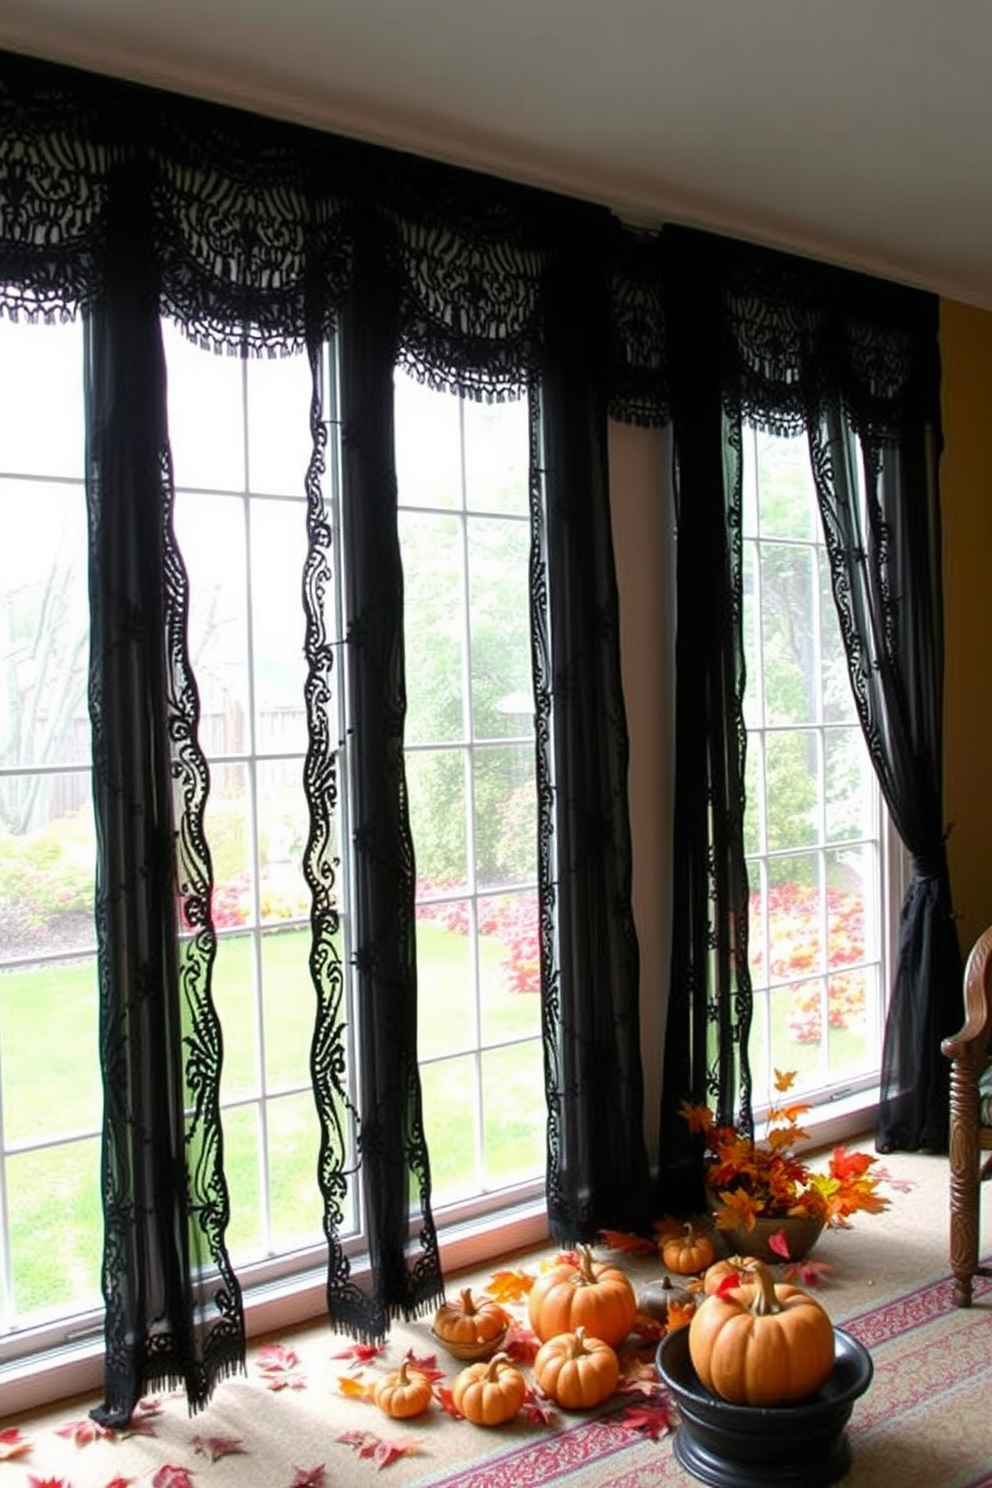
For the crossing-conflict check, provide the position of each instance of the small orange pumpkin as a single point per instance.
(595, 1295)
(488, 1394)
(576, 1371)
(690, 1253)
(404, 1392)
(762, 1344)
(468, 1321)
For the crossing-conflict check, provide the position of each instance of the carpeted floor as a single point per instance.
(925, 1421)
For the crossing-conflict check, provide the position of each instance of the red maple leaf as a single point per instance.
(780, 1245)
(538, 1409)
(171, 1476)
(521, 1344)
(13, 1444)
(309, 1477)
(362, 1353)
(808, 1272)
(653, 1418)
(119, 1483)
(83, 1431)
(279, 1366)
(377, 1449)
(216, 1447)
(446, 1401)
(427, 1366)
(34, 1482)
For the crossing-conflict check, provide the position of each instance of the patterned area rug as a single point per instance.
(299, 1417)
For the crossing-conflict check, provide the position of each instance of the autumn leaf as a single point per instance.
(309, 1477)
(426, 1365)
(538, 1408)
(621, 1240)
(698, 1118)
(509, 1286)
(648, 1329)
(780, 1245)
(807, 1272)
(216, 1447)
(356, 1387)
(34, 1482)
(639, 1377)
(279, 1366)
(521, 1344)
(653, 1418)
(83, 1431)
(378, 1449)
(120, 1483)
(171, 1476)
(445, 1400)
(13, 1444)
(784, 1082)
(680, 1315)
(362, 1353)
(150, 1407)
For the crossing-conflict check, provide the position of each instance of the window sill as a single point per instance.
(40, 1380)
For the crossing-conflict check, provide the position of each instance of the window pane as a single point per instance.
(813, 826)
(496, 457)
(206, 415)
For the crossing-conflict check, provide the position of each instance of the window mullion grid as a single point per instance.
(758, 739)
(262, 1122)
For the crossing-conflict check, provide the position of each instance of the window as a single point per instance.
(50, 1122)
(240, 439)
(819, 848)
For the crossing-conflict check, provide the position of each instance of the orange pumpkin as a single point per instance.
(576, 1371)
(689, 1253)
(404, 1392)
(762, 1344)
(489, 1394)
(593, 1295)
(468, 1321)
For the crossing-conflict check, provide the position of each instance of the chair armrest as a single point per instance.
(972, 1040)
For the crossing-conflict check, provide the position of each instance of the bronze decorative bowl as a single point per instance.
(803, 1445)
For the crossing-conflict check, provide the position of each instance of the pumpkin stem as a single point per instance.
(585, 1264)
(579, 1342)
(764, 1302)
(492, 1371)
(468, 1305)
(402, 1374)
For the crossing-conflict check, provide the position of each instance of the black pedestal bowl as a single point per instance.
(803, 1445)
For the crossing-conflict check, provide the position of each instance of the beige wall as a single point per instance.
(966, 496)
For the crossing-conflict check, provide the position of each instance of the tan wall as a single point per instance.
(966, 496)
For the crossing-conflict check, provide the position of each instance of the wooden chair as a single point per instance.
(970, 1052)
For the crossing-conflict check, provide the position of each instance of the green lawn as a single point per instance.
(48, 1021)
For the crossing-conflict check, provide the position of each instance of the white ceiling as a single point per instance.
(858, 130)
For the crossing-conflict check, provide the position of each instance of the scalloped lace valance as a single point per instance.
(257, 223)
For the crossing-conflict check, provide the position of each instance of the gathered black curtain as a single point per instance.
(597, 1167)
(881, 512)
(788, 345)
(709, 1004)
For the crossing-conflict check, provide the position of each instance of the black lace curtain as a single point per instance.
(124, 205)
